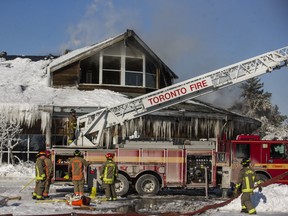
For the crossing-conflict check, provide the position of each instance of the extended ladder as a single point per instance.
(96, 122)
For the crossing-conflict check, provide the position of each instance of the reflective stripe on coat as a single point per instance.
(109, 172)
(246, 179)
(76, 168)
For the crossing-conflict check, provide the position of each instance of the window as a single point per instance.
(151, 75)
(120, 64)
(111, 70)
(90, 70)
(89, 76)
(242, 151)
(150, 80)
(134, 71)
(277, 151)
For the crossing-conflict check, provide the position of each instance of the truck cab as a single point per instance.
(269, 158)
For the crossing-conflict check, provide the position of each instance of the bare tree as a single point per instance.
(9, 137)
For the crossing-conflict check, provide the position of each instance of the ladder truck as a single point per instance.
(148, 168)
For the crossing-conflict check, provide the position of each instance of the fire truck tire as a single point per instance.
(147, 184)
(121, 185)
(262, 177)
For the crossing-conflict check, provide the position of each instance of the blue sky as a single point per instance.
(191, 36)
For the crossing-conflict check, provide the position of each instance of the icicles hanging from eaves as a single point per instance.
(26, 114)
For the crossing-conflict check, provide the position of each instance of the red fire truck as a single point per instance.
(268, 157)
(149, 166)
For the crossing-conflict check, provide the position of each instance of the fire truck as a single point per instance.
(147, 167)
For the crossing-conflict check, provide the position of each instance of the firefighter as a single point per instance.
(246, 181)
(76, 171)
(71, 126)
(40, 176)
(49, 173)
(109, 173)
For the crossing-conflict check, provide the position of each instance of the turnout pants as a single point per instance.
(39, 188)
(47, 187)
(79, 187)
(110, 191)
(247, 203)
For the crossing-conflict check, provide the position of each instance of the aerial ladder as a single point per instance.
(95, 122)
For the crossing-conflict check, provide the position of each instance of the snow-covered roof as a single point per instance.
(25, 92)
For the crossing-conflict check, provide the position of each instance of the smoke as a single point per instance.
(223, 98)
(176, 32)
(100, 21)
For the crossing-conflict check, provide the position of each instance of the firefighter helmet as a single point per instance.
(109, 155)
(77, 152)
(48, 153)
(41, 153)
(245, 162)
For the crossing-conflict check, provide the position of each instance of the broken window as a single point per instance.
(90, 70)
(151, 78)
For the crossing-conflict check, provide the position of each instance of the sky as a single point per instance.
(271, 201)
(191, 36)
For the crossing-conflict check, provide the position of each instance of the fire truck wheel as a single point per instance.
(262, 177)
(147, 184)
(121, 185)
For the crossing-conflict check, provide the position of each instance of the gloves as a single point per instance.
(41, 178)
(237, 190)
(66, 177)
(260, 189)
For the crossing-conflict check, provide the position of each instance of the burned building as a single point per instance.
(125, 64)
(122, 66)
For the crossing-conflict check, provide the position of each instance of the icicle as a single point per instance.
(25, 114)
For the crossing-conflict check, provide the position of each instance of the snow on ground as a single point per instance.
(272, 200)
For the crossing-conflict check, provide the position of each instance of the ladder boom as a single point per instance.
(97, 121)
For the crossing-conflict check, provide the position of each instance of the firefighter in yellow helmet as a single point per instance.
(40, 176)
(76, 170)
(246, 180)
(109, 173)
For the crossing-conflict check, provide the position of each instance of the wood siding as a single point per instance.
(67, 76)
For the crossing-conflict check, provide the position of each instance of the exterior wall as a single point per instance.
(67, 76)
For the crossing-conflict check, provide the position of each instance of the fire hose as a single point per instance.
(218, 205)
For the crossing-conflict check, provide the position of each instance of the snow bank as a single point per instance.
(25, 170)
(273, 198)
